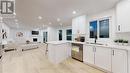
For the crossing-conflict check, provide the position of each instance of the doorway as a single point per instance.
(45, 37)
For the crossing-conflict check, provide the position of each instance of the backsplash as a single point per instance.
(125, 36)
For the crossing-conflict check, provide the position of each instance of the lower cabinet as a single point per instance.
(98, 56)
(103, 58)
(113, 60)
(119, 61)
(88, 54)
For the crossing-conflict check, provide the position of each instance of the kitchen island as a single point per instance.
(58, 51)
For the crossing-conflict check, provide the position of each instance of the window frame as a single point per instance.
(68, 35)
(98, 27)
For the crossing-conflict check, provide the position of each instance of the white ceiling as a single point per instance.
(27, 11)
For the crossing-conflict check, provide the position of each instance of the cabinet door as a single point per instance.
(79, 25)
(88, 54)
(119, 61)
(123, 16)
(82, 24)
(74, 26)
(103, 58)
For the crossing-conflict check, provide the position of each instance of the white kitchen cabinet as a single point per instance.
(119, 61)
(103, 58)
(110, 59)
(98, 56)
(58, 51)
(79, 25)
(123, 16)
(74, 26)
(88, 54)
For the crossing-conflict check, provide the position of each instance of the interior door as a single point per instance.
(103, 58)
(45, 37)
(60, 35)
(119, 61)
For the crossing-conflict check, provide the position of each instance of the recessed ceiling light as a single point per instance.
(14, 13)
(58, 19)
(39, 17)
(74, 12)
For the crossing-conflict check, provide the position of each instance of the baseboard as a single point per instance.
(94, 66)
(29, 49)
(8, 50)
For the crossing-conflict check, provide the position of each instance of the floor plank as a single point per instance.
(35, 61)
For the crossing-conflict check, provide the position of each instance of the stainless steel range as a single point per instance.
(77, 51)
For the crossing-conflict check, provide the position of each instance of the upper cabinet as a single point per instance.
(123, 16)
(79, 25)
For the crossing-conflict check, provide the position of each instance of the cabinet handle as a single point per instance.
(95, 49)
(113, 52)
(119, 27)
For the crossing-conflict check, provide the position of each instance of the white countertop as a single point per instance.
(57, 42)
(62, 42)
(84, 43)
(112, 46)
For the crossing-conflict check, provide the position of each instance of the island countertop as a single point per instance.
(62, 42)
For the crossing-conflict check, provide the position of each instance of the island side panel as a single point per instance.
(59, 52)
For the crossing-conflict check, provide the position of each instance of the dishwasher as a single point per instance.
(77, 51)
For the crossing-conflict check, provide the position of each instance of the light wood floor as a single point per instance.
(35, 61)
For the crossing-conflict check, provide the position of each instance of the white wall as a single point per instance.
(40, 37)
(7, 29)
(0, 33)
(52, 34)
(125, 36)
(26, 35)
(63, 32)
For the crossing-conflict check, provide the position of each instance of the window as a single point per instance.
(60, 35)
(69, 34)
(104, 28)
(99, 28)
(93, 29)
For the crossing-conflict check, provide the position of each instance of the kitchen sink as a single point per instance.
(97, 43)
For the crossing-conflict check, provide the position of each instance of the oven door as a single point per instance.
(77, 51)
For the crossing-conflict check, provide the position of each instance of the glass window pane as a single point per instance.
(60, 34)
(104, 28)
(93, 29)
(69, 32)
(69, 38)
